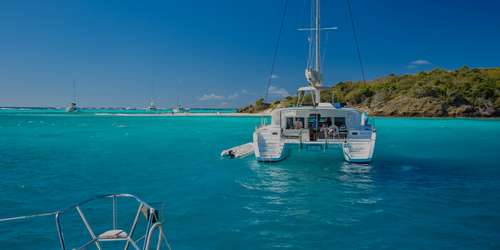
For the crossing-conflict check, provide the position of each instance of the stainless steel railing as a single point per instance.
(150, 215)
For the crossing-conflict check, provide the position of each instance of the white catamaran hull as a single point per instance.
(359, 151)
(268, 145)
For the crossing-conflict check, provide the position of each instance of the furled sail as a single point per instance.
(313, 77)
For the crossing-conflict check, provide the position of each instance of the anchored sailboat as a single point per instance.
(179, 108)
(72, 107)
(152, 105)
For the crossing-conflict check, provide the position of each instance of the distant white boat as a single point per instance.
(315, 125)
(179, 108)
(71, 107)
(152, 105)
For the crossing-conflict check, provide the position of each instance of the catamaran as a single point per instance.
(317, 124)
(312, 123)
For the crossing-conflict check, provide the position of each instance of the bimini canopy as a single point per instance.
(314, 92)
(306, 89)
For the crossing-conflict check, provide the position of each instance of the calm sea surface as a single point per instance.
(433, 184)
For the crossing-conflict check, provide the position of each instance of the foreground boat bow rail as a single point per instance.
(152, 238)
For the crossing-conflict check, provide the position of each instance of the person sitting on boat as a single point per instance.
(298, 124)
(328, 121)
(324, 130)
(333, 130)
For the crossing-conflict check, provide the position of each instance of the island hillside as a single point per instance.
(465, 92)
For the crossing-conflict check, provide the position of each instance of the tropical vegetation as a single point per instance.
(468, 92)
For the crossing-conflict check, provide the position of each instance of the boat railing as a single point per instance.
(300, 138)
(328, 134)
(149, 223)
(150, 214)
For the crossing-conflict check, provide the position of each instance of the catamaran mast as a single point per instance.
(313, 71)
(152, 92)
(318, 40)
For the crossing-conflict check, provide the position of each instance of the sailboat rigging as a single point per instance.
(152, 105)
(72, 106)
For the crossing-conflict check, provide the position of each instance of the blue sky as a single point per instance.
(218, 53)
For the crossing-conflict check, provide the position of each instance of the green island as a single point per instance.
(465, 92)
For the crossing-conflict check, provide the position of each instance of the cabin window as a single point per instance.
(325, 122)
(339, 121)
(313, 121)
(294, 122)
(289, 123)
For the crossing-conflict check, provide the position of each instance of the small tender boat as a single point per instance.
(144, 231)
(238, 151)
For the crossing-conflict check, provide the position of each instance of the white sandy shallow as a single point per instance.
(188, 114)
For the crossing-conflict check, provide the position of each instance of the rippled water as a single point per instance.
(434, 183)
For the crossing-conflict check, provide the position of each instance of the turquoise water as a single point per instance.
(61, 111)
(434, 183)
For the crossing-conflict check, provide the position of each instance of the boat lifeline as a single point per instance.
(123, 230)
(313, 124)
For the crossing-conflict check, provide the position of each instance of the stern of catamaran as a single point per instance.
(322, 126)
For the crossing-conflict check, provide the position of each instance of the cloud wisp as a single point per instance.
(233, 96)
(217, 97)
(417, 63)
(211, 97)
(277, 91)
